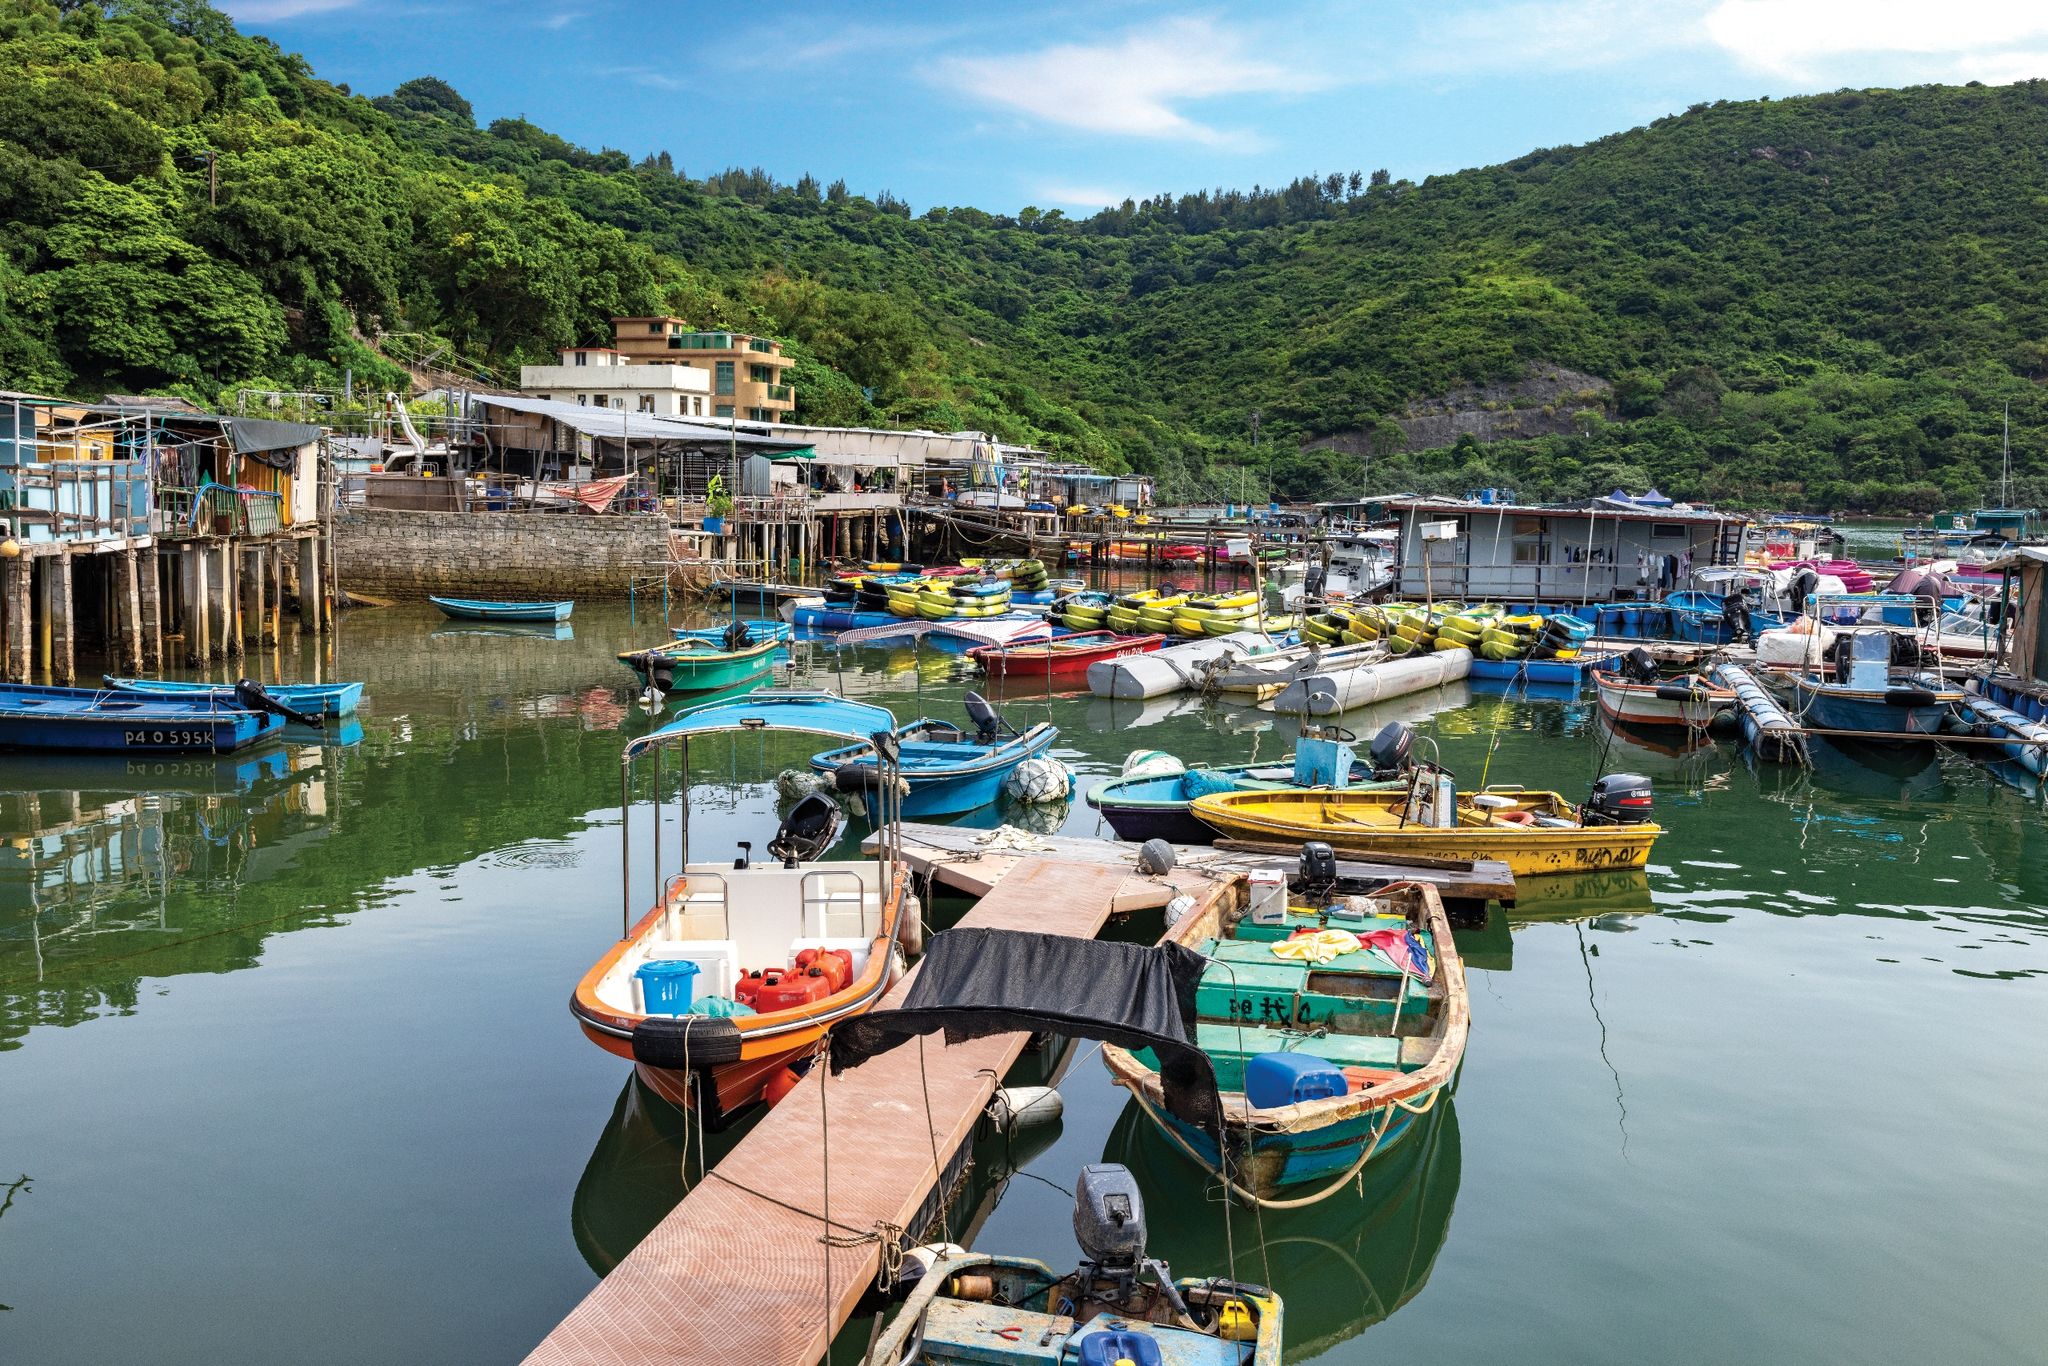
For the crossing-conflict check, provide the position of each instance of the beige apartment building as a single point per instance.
(745, 372)
(600, 377)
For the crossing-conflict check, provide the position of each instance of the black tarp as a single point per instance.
(273, 443)
(976, 982)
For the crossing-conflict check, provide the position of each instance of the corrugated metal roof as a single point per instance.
(1601, 508)
(611, 423)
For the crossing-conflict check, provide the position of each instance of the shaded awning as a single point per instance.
(809, 712)
(270, 441)
(614, 424)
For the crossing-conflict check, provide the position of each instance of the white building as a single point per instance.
(599, 377)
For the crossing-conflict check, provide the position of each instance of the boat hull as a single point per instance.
(140, 732)
(315, 699)
(1269, 1164)
(1651, 704)
(467, 609)
(1829, 707)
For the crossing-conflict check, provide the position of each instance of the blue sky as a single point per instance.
(1077, 105)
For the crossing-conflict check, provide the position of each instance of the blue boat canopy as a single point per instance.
(806, 711)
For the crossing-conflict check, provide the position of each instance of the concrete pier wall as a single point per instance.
(398, 554)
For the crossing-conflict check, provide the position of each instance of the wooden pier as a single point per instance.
(743, 1269)
(968, 861)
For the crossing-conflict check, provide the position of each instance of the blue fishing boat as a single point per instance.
(1327, 1046)
(1160, 805)
(314, 699)
(1862, 693)
(474, 609)
(947, 771)
(94, 719)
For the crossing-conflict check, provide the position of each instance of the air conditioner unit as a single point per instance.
(1439, 531)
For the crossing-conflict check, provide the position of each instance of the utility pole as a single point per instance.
(1241, 470)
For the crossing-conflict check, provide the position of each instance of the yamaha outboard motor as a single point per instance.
(251, 694)
(1736, 608)
(1392, 750)
(736, 637)
(1638, 666)
(1312, 582)
(987, 725)
(1619, 799)
(807, 831)
(1317, 873)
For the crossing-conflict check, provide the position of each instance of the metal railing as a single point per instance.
(779, 392)
(217, 510)
(75, 500)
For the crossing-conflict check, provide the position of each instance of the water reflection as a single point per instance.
(109, 857)
(1340, 1266)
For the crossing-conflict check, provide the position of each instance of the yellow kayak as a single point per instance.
(1534, 833)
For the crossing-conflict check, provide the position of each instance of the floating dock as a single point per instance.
(976, 861)
(741, 1270)
(1769, 731)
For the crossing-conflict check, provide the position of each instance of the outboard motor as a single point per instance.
(1317, 873)
(1737, 607)
(1109, 1223)
(1392, 750)
(1638, 666)
(736, 637)
(807, 831)
(1618, 799)
(252, 695)
(987, 724)
(1312, 582)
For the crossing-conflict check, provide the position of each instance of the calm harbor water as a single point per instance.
(286, 1069)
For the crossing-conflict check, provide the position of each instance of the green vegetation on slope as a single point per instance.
(1820, 301)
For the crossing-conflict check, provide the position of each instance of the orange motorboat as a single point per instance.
(739, 968)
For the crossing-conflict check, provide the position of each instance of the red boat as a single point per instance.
(1060, 657)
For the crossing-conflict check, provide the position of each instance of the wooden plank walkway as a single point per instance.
(737, 1271)
(953, 856)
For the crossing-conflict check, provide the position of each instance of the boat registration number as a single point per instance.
(1264, 1010)
(167, 737)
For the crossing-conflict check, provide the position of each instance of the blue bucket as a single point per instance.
(668, 984)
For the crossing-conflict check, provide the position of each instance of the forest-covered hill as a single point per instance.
(1824, 301)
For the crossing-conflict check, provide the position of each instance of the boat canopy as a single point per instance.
(807, 711)
(975, 982)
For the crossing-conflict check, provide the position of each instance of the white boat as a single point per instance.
(1339, 690)
(1262, 676)
(1174, 668)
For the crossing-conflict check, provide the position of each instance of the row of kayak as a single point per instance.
(1487, 629)
(1163, 611)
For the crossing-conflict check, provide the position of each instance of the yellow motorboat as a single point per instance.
(1534, 833)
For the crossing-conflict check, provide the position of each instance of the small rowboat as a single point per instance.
(1534, 833)
(706, 660)
(472, 609)
(314, 699)
(1161, 806)
(1063, 657)
(1332, 1025)
(91, 719)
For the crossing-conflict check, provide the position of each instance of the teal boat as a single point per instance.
(707, 660)
(479, 609)
(1322, 1065)
(314, 699)
(1117, 1307)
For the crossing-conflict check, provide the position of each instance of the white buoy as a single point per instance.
(1024, 1107)
(919, 1261)
(1039, 779)
(1177, 908)
(1151, 763)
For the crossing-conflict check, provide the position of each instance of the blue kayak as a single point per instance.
(315, 699)
(477, 609)
(93, 719)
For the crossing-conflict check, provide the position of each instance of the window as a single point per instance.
(581, 358)
(761, 374)
(758, 415)
(722, 410)
(1667, 531)
(724, 377)
(647, 403)
(583, 400)
(1531, 552)
(654, 329)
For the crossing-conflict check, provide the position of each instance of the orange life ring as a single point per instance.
(1516, 818)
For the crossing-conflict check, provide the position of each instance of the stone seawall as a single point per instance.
(393, 554)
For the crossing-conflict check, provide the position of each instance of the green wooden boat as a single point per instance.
(707, 660)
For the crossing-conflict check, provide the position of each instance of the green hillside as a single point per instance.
(1824, 301)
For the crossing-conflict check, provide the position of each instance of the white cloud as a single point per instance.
(1888, 39)
(561, 20)
(1542, 36)
(1081, 196)
(271, 11)
(1133, 85)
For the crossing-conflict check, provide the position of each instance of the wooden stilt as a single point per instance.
(19, 618)
(309, 584)
(130, 610)
(151, 567)
(198, 615)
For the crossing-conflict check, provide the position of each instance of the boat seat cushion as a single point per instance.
(717, 960)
